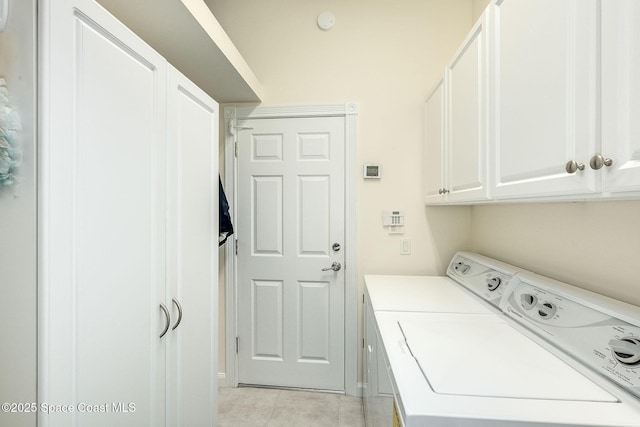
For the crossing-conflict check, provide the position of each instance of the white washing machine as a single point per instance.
(560, 356)
(475, 284)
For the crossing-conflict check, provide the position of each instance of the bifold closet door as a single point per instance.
(192, 253)
(102, 221)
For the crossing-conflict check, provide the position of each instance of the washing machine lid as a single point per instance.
(435, 294)
(485, 356)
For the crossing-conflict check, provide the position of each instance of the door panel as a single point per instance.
(192, 118)
(102, 220)
(290, 212)
(545, 96)
(434, 148)
(621, 95)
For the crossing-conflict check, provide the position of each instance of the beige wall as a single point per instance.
(594, 245)
(477, 7)
(18, 232)
(384, 56)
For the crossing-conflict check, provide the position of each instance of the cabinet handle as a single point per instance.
(598, 161)
(166, 314)
(572, 166)
(175, 301)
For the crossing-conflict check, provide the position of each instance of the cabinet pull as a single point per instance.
(572, 166)
(598, 161)
(166, 314)
(175, 301)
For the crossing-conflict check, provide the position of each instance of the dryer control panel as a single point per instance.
(599, 332)
(485, 277)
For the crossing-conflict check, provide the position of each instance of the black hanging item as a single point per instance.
(224, 218)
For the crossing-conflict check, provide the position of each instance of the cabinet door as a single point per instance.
(621, 95)
(434, 154)
(192, 253)
(102, 221)
(466, 83)
(378, 397)
(545, 96)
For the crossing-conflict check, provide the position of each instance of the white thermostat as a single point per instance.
(372, 171)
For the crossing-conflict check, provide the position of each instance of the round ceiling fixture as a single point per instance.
(326, 21)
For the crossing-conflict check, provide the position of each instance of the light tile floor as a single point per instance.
(263, 407)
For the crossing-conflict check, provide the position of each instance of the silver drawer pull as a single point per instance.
(175, 301)
(168, 317)
(572, 166)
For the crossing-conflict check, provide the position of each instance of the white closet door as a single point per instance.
(192, 252)
(102, 214)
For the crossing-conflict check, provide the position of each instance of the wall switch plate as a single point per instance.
(405, 247)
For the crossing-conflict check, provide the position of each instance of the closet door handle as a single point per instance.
(166, 314)
(175, 301)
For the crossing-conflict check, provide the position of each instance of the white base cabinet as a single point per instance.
(378, 393)
(128, 186)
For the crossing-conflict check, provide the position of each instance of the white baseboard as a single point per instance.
(222, 379)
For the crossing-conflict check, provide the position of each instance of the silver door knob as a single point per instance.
(598, 161)
(336, 266)
(572, 166)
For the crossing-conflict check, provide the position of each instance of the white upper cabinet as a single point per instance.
(620, 96)
(545, 99)
(466, 83)
(456, 125)
(434, 154)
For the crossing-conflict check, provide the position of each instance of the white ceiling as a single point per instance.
(187, 34)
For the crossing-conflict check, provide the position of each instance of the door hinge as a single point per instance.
(236, 246)
(237, 344)
(363, 298)
(362, 342)
(235, 148)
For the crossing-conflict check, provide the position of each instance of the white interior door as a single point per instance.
(291, 210)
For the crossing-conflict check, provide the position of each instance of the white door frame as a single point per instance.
(349, 111)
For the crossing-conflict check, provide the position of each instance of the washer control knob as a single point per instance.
(626, 350)
(547, 310)
(461, 268)
(528, 301)
(493, 283)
